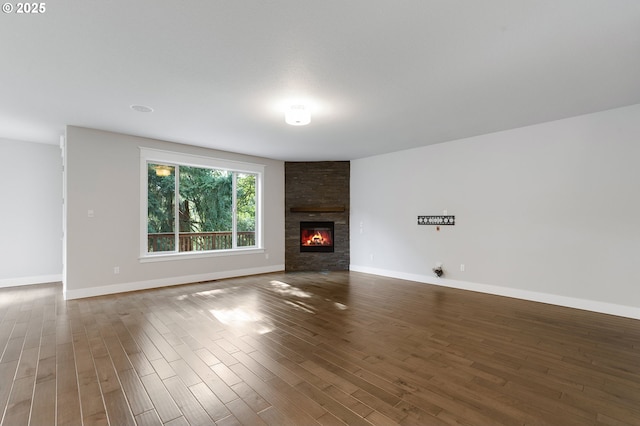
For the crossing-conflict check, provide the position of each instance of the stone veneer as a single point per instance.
(322, 185)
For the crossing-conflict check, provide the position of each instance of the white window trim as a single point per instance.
(170, 157)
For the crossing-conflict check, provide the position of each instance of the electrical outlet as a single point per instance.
(116, 269)
(462, 267)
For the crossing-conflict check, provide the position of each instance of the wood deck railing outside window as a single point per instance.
(198, 241)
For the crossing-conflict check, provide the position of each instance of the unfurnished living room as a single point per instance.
(320, 213)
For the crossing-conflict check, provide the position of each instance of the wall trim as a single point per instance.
(38, 279)
(166, 282)
(533, 296)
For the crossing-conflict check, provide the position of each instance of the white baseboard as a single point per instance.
(165, 282)
(553, 299)
(39, 279)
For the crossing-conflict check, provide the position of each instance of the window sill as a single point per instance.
(164, 257)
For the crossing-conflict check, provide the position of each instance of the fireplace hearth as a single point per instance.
(316, 237)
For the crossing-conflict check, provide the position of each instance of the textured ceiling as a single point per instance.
(381, 76)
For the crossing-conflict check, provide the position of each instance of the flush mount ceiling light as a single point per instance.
(297, 115)
(141, 108)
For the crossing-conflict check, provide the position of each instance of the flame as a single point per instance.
(317, 239)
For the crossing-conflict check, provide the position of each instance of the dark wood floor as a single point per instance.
(311, 348)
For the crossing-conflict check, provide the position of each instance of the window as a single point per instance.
(198, 205)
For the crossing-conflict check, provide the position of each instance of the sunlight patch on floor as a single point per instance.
(286, 289)
(340, 306)
(214, 293)
(243, 318)
(299, 306)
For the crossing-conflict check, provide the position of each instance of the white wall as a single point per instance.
(31, 213)
(103, 175)
(549, 212)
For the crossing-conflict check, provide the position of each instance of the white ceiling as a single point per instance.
(382, 75)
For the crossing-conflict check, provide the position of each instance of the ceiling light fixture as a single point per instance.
(163, 171)
(297, 115)
(141, 108)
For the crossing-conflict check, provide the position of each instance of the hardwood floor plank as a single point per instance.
(142, 340)
(13, 349)
(141, 364)
(6, 328)
(251, 397)
(219, 353)
(230, 420)
(135, 391)
(148, 418)
(97, 419)
(154, 318)
(422, 414)
(591, 407)
(220, 389)
(216, 409)
(207, 357)
(7, 374)
(163, 368)
(334, 364)
(304, 374)
(189, 405)
(273, 396)
(43, 407)
(379, 419)
(331, 348)
(225, 373)
(180, 421)
(107, 376)
(19, 404)
(236, 338)
(244, 413)
(331, 405)
(302, 402)
(46, 369)
(485, 400)
(159, 342)
(329, 376)
(185, 372)
(91, 399)
(349, 401)
(277, 369)
(204, 373)
(117, 408)
(67, 395)
(273, 417)
(329, 419)
(164, 404)
(117, 353)
(126, 339)
(227, 346)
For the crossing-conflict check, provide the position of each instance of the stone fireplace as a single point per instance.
(317, 216)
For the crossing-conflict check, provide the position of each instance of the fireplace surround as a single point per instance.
(317, 192)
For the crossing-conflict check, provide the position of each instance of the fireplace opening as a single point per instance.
(316, 237)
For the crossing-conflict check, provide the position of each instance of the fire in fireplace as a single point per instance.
(316, 237)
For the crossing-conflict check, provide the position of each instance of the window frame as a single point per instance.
(150, 155)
